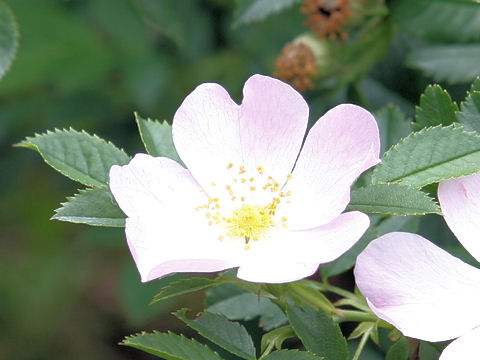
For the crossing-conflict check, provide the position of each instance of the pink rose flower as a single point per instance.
(249, 197)
(421, 289)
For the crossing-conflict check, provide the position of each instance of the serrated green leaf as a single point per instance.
(231, 336)
(392, 199)
(157, 137)
(469, 114)
(430, 155)
(436, 108)
(247, 306)
(183, 287)
(8, 38)
(318, 332)
(453, 63)
(439, 20)
(399, 351)
(95, 207)
(292, 355)
(170, 346)
(261, 9)
(276, 337)
(236, 303)
(393, 125)
(77, 155)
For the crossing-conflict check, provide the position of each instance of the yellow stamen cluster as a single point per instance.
(250, 222)
(246, 221)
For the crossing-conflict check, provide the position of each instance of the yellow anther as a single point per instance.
(289, 193)
(260, 169)
(283, 219)
(242, 198)
(208, 214)
(251, 179)
(252, 188)
(229, 166)
(228, 187)
(289, 176)
(242, 170)
(213, 184)
(233, 198)
(249, 222)
(282, 194)
(243, 180)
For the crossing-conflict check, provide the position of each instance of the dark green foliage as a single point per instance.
(231, 336)
(319, 334)
(170, 346)
(436, 108)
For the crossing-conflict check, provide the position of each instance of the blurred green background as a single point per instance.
(71, 291)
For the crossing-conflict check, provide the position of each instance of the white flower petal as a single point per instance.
(147, 183)
(165, 232)
(421, 289)
(169, 243)
(292, 255)
(465, 347)
(340, 146)
(460, 203)
(211, 131)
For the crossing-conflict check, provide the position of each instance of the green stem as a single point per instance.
(267, 351)
(353, 315)
(361, 344)
(303, 294)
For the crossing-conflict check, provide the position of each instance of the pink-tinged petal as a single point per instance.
(210, 131)
(463, 348)
(147, 183)
(274, 272)
(273, 121)
(165, 232)
(416, 286)
(206, 135)
(340, 146)
(292, 255)
(169, 243)
(460, 204)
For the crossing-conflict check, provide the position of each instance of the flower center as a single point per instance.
(238, 209)
(250, 222)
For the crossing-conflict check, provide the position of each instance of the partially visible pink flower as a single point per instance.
(248, 198)
(423, 290)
